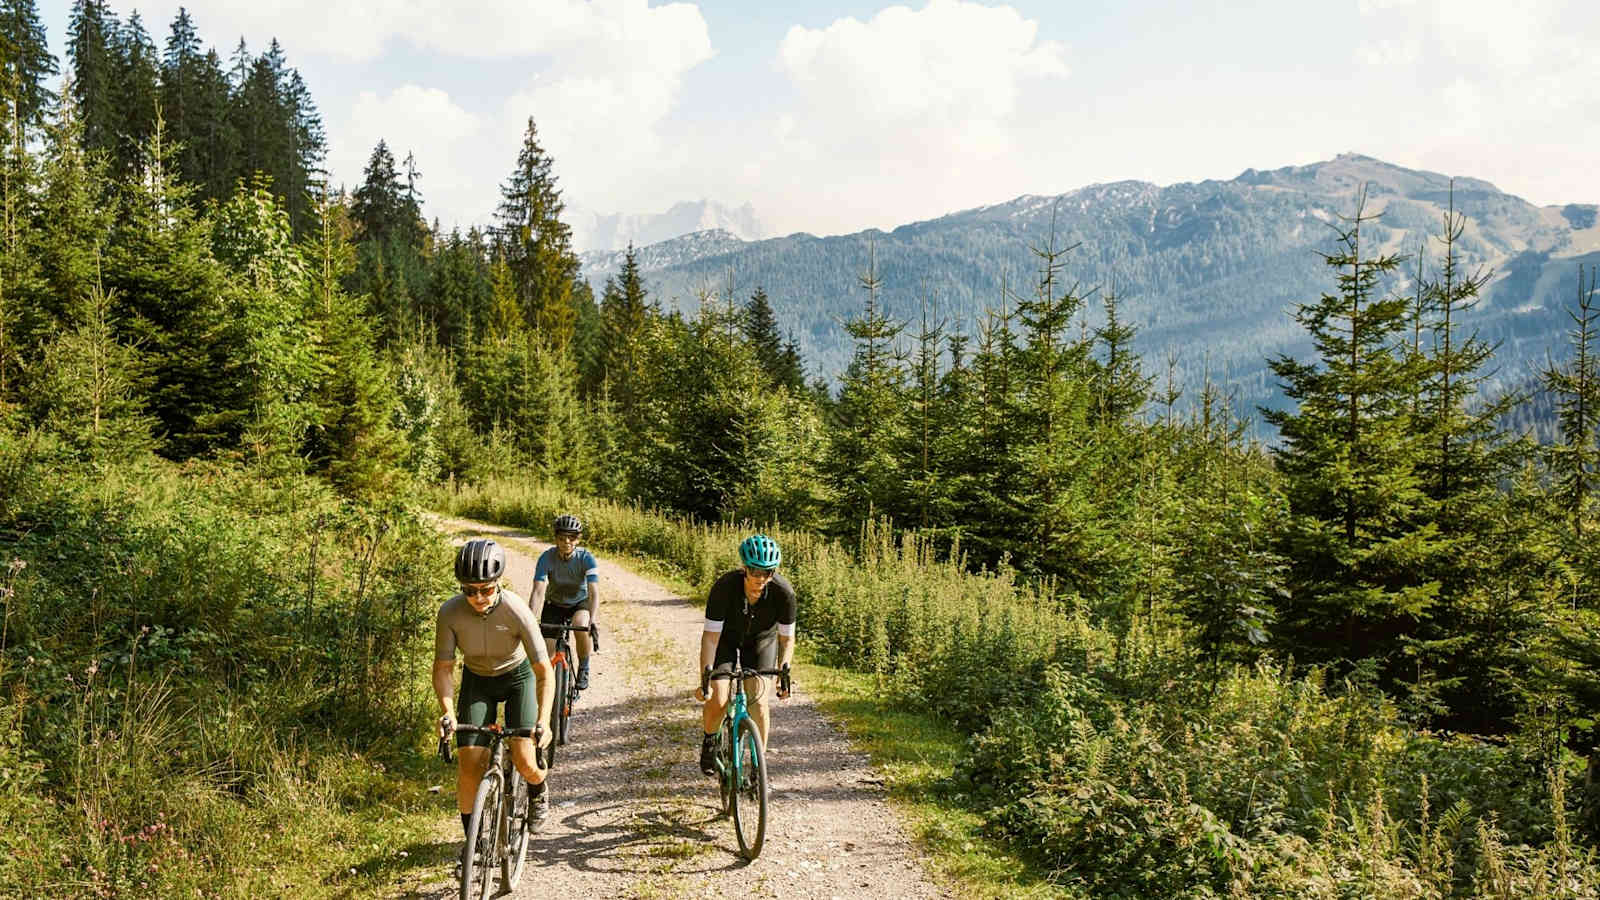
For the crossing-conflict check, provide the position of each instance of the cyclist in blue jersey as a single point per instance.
(566, 585)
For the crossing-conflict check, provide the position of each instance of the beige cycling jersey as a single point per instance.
(493, 643)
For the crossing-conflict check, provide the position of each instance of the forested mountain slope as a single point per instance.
(1208, 271)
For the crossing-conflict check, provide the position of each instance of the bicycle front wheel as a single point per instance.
(483, 841)
(725, 765)
(516, 840)
(750, 792)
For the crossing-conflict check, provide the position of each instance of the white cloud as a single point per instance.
(907, 109)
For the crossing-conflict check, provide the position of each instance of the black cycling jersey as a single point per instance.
(760, 620)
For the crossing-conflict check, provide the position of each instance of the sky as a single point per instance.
(834, 116)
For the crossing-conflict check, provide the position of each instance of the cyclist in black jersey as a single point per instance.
(750, 609)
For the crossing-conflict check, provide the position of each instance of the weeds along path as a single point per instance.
(631, 815)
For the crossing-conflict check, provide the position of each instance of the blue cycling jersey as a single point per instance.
(569, 578)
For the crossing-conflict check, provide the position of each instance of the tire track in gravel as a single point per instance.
(632, 816)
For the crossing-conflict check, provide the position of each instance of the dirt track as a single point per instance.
(631, 814)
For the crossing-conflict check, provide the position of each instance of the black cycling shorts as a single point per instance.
(517, 689)
(761, 653)
(562, 615)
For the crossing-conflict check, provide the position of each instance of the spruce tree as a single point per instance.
(136, 95)
(624, 308)
(863, 467)
(91, 35)
(85, 387)
(538, 245)
(353, 439)
(1359, 528)
(760, 328)
(159, 264)
(25, 64)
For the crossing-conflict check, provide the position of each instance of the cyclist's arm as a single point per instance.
(785, 645)
(541, 581)
(591, 582)
(444, 667)
(539, 660)
(444, 671)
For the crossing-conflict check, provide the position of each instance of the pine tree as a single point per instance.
(67, 235)
(1359, 529)
(135, 96)
(1575, 461)
(538, 245)
(85, 387)
(863, 468)
(158, 263)
(91, 44)
(624, 309)
(181, 73)
(353, 439)
(760, 328)
(25, 64)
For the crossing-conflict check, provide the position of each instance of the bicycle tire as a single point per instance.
(483, 831)
(725, 761)
(572, 697)
(750, 795)
(515, 858)
(558, 718)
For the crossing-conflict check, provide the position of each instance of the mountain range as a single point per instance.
(594, 233)
(1209, 273)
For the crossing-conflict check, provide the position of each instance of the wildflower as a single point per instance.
(17, 565)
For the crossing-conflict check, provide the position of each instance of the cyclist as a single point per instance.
(751, 609)
(566, 585)
(496, 634)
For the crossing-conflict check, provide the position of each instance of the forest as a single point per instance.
(1361, 662)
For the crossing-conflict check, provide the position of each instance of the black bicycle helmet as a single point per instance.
(567, 523)
(480, 560)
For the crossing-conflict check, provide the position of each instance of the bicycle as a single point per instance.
(566, 682)
(741, 760)
(497, 831)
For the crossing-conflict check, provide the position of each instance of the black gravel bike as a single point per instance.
(564, 664)
(498, 830)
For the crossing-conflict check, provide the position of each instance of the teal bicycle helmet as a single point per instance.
(760, 551)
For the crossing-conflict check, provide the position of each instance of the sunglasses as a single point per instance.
(484, 591)
(568, 534)
(757, 572)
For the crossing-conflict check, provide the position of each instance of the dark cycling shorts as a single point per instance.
(562, 615)
(480, 694)
(761, 653)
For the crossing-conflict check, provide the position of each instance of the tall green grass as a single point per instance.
(209, 680)
(1138, 774)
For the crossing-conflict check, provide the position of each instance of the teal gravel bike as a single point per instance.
(742, 759)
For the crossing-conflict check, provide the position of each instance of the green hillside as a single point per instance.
(1208, 272)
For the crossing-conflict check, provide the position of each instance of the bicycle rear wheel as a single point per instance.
(516, 800)
(750, 793)
(483, 833)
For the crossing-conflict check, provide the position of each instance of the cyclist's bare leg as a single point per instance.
(522, 755)
(716, 705)
(470, 765)
(581, 642)
(756, 690)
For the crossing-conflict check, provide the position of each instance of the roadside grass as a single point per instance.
(916, 752)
